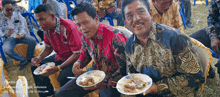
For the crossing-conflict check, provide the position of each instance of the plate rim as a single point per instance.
(26, 84)
(149, 85)
(77, 80)
(35, 72)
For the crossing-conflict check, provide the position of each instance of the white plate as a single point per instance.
(123, 80)
(89, 74)
(19, 88)
(37, 72)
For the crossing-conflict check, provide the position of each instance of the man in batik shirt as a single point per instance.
(108, 8)
(166, 12)
(101, 43)
(161, 52)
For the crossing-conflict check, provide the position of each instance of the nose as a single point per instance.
(136, 17)
(83, 28)
(40, 23)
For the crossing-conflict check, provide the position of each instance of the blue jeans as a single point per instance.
(9, 44)
(116, 16)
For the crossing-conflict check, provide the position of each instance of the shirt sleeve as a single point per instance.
(2, 32)
(118, 44)
(189, 74)
(58, 9)
(178, 20)
(212, 20)
(74, 39)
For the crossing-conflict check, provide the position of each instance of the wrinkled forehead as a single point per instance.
(134, 6)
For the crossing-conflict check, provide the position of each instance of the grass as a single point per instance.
(199, 13)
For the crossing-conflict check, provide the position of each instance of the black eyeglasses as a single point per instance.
(9, 9)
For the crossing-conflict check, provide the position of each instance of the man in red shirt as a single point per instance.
(62, 36)
(104, 45)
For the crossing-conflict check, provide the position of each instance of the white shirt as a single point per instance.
(16, 23)
(55, 5)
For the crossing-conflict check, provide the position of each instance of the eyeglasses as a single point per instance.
(9, 9)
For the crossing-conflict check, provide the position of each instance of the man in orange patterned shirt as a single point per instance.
(108, 8)
(166, 12)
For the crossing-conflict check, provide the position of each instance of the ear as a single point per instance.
(151, 14)
(96, 19)
(53, 16)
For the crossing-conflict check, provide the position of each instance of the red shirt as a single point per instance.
(66, 39)
(102, 50)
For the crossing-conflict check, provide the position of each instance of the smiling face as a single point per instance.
(137, 18)
(86, 24)
(46, 20)
(162, 5)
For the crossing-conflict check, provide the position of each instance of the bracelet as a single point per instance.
(59, 68)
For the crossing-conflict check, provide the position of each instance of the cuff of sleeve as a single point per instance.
(76, 52)
(162, 87)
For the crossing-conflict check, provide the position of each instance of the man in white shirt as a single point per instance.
(12, 23)
(57, 10)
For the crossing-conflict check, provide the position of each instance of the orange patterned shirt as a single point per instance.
(170, 18)
(103, 4)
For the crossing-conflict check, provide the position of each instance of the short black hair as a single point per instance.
(84, 7)
(43, 7)
(126, 2)
(4, 2)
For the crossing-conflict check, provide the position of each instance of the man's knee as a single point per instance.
(7, 49)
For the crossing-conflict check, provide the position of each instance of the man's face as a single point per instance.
(137, 18)
(86, 24)
(8, 9)
(162, 5)
(45, 20)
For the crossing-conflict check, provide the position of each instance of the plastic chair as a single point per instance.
(31, 15)
(182, 14)
(206, 1)
(68, 3)
(110, 20)
(1, 51)
(215, 55)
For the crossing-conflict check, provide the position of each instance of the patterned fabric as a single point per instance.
(170, 18)
(169, 59)
(107, 51)
(65, 40)
(16, 23)
(21, 10)
(213, 19)
(103, 4)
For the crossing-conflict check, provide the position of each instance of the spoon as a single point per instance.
(138, 85)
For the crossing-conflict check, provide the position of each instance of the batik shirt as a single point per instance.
(65, 40)
(213, 19)
(103, 4)
(107, 51)
(21, 10)
(170, 18)
(169, 59)
(16, 23)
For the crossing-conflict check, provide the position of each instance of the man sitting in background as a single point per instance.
(108, 8)
(12, 23)
(166, 12)
(62, 36)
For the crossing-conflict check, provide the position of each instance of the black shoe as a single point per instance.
(211, 73)
(189, 24)
(23, 66)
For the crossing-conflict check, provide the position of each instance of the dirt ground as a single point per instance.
(199, 19)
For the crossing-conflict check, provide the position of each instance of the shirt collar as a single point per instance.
(154, 10)
(7, 17)
(57, 30)
(99, 32)
(152, 33)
